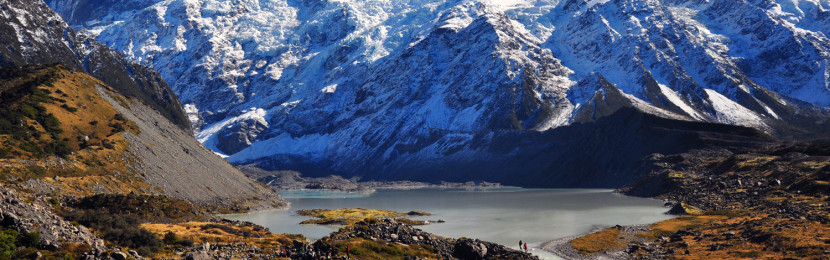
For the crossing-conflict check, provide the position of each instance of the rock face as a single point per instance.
(17, 214)
(32, 33)
(382, 88)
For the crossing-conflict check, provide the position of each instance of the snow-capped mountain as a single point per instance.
(369, 87)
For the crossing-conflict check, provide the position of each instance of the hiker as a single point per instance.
(347, 252)
(525, 247)
(520, 244)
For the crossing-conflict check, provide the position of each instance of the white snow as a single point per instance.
(729, 112)
(192, 113)
(207, 132)
(309, 145)
(329, 89)
(592, 3)
(678, 101)
(286, 51)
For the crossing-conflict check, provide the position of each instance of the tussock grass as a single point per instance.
(350, 216)
(604, 240)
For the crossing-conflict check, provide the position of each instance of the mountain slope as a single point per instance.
(33, 34)
(70, 134)
(371, 87)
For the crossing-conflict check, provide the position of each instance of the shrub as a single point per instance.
(120, 229)
(69, 108)
(30, 239)
(185, 242)
(117, 128)
(8, 237)
(170, 238)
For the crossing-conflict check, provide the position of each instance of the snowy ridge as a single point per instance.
(361, 83)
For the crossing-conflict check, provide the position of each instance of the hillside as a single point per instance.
(68, 133)
(752, 203)
(32, 33)
(75, 147)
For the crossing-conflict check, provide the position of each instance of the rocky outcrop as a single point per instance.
(28, 213)
(393, 232)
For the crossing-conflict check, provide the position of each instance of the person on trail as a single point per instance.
(525, 247)
(347, 252)
(520, 244)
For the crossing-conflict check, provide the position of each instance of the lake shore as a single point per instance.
(292, 180)
(561, 247)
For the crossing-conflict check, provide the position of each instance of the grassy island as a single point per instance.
(353, 215)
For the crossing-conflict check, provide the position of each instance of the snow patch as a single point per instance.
(729, 112)
(329, 89)
(257, 114)
(309, 145)
(675, 99)
(192, 113)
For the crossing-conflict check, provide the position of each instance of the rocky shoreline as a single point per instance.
(291, 180)
(387, 234)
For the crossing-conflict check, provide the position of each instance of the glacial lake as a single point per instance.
(502, 215)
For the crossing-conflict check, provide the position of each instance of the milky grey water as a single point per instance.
(500, 215)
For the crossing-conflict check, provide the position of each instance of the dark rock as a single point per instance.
(200, 255)
(119, 256)
(298, 244)
(469, 249)
(632, 248)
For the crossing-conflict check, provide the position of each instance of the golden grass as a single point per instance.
(756, 161)
(813, 165)
(213, 232)
(676, 175)
(604, 240)
(798, 238)
(101, 161)
(349, 216)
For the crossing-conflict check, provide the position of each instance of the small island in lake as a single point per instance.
(354, 215)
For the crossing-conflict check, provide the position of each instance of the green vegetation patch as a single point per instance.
(149, 208)
(117, 228)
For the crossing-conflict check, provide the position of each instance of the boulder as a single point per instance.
(119, 256)
(469, 249)
(199, 255)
